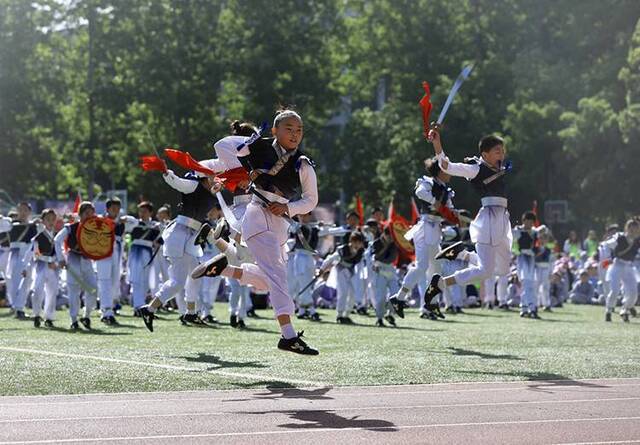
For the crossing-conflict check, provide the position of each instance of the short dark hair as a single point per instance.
(376, 209)
(84, 206)
(47, 211)
(146, 205)
(114, 200)
(357, 236)
(432, 166)
(529, 215)
(490, 141)
(24, 204)
(351, 213)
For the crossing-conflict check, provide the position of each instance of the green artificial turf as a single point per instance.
(480, 345)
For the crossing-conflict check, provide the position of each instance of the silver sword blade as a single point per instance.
(454, 90)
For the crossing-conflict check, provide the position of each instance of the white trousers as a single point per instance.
(209, 287)
(622, 276)
(543, 286)
(80, 274)
(45, 290)
(139, 273)
(238, 298)
(423, 267)
(486, 262)
(17, 285)
(386, 284)
(266, 235)
(180, 280)
(301, 270)
(499, 289)
(108, 281)
(453, 295)
(345, 292)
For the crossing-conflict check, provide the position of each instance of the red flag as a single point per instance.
(186, 161)
(233, 177)
(398, 226)
(425, 104)
(76, 204)
(415, 214)
(448, 214)
(535, 212)
(359, 209)
(153, 163)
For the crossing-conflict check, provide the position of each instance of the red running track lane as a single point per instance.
(536, 412)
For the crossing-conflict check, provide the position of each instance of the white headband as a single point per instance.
(284, 115)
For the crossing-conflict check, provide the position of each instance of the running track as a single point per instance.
(549, 411)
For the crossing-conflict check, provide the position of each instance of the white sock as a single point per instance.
(288, 331)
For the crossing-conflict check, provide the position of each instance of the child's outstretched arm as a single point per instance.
(468, 171)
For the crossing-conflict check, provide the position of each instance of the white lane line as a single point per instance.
(163, 366)
(600, 443)
(322, 430)
(260, 392)
(523, 384)
(358, 408)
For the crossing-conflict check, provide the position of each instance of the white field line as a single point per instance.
(163, 366)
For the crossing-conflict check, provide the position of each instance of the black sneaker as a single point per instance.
(74, 327)
(233, 321)
(625, 317)
(20, 315)
(504, 307)
(633, 312)
(193, 319)
(296, 345)
(398, 306)
(201, 237)
(362, 311)
(211, 268)
(86, 322)
(429, 315)
(432, 292)
(524, 314)
(251, 313)
(390, 320)
(458, 310)
(451, 253)
(435, 309)
(534, 315)
(303, 316)
(136, 313)
(315, 317)
(183, 322)
(147, 317)
(425, 316)
(449, 310)
(210, 319)
(36, 321)
(241, 324)
(48, 324)
(110, 321)
(380, 323)
(607, 316)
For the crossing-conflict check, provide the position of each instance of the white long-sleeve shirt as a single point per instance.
(59, 240)
(468, 171)
(6, 224)
(182, 185)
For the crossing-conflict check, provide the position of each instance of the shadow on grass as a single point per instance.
(372, 326)
(219, 362)
(540, 381)
(469, 353)
(93, 332)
